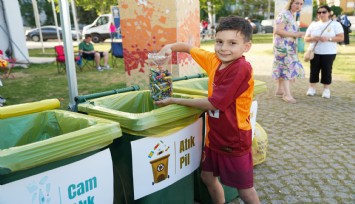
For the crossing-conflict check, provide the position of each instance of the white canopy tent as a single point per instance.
(11, 37)
(10, 25)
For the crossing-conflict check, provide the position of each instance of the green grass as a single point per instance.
(41, 81)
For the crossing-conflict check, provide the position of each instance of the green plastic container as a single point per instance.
(199, 86)
(40, 141)
(140, 118)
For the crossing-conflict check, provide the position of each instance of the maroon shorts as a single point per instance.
(233, 171)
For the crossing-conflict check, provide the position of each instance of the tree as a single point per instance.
(99, 6)
(27, 13)
(255, 9)
(26, 9)
(211, 7)
(336, 10)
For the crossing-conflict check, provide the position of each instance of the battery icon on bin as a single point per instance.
(160, 168)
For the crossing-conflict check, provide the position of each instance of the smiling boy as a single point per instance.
(227, 152)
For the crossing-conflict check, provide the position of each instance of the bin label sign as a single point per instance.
(88, 181)
(158, 162)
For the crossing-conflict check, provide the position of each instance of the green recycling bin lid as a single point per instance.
(137, 114)
(199, 86)
(35, 139)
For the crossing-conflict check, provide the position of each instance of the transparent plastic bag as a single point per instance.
(160, 83)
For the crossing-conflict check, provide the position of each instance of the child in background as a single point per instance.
(227, 152)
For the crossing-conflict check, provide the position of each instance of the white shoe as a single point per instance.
(326, 93)
(99, 69)
(311, 92)
(106, 67)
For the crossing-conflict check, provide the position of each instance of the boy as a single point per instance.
(227, 152)
(86, 49)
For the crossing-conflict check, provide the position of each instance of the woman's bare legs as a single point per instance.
(287, 92)
(279, 88)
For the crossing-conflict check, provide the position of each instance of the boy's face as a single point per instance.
(230, 46)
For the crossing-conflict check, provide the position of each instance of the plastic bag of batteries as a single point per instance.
(160, 82)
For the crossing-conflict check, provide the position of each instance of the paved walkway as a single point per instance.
(311, 153)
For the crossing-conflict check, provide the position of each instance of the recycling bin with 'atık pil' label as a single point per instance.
(140, 118)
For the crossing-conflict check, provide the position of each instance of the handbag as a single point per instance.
(309, 54)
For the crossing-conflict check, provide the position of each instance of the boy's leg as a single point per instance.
(209, 176)
(214, 187)
(237, 172)
(249, 195)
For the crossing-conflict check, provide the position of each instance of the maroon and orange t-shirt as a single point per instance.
(230, 90)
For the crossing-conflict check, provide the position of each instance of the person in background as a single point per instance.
(112, 31)
(251, 23)
(345, 23)
(227, 152)
(86, 50)
(204, 24)
(326, 33)
(286, 65)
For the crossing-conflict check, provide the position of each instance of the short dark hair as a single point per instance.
(326, 7)
(236, 23)
(88, 36)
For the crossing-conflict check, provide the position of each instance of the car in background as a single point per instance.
(352, 21)
(267, 26)
(48, 32)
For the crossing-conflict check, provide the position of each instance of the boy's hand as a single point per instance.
(165, 51)
(164, 102)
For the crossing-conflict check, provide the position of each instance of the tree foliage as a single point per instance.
(336, 10)
(255, 9)
(26, 9)
(99, 6)
(88, 10)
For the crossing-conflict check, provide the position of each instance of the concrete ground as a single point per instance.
(311, 152)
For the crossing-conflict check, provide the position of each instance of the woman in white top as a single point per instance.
(326, 33)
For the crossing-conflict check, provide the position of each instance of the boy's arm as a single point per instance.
(175, 47)
(201, 103)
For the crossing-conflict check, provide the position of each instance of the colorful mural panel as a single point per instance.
(147, 25)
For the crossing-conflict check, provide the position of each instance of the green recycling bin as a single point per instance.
(36, 140)
(141, 120)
